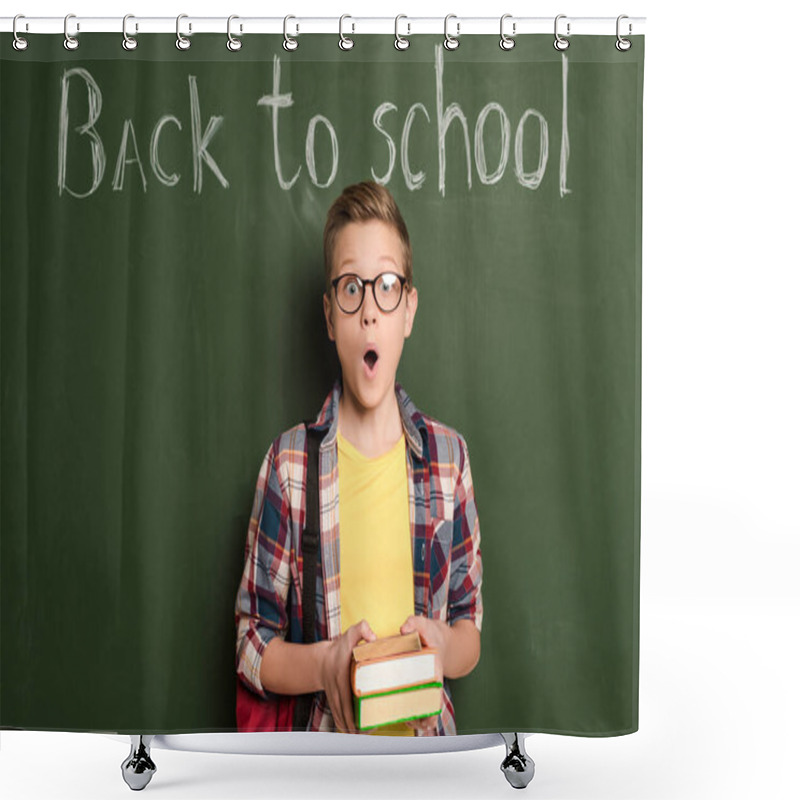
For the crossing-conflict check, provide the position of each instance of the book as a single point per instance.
(415, 702)
(394, 679)
(388, 646)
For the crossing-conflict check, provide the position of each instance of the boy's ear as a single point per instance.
(411, 311)
(326, 307)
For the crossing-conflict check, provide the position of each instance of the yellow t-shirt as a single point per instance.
(375, 568)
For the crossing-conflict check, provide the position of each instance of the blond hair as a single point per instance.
(363, 202)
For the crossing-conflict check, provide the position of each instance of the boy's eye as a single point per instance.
(352, 288)
(387, 283)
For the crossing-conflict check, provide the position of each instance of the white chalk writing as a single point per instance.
(488, 144)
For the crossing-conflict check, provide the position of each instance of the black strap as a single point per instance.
(309, 546)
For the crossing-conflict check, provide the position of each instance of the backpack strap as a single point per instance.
(309, 546)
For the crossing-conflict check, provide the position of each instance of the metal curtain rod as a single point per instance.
(406, 26)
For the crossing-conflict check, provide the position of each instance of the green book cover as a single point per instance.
(360, 700)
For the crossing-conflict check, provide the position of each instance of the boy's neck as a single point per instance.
(373, 431)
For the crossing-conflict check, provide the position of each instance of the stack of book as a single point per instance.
(393, 680)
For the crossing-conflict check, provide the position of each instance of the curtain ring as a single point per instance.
(70, 42)
(561, 43)
(401, 43)
(128, 42)
(182, 43)
(19, 42)
(234, 43)
(623, 44)
(507, 42)
(344, 42)
(288, 42)
(451, 42)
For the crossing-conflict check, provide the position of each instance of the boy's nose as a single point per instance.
(369, 308)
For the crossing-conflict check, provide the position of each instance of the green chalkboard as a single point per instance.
(161, 218)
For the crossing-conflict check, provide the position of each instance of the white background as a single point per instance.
(719, 697)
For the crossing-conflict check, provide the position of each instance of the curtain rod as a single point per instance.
(406, 26)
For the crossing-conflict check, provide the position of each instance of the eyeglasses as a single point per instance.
(387, 289)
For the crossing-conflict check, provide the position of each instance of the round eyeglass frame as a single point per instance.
(363, 283)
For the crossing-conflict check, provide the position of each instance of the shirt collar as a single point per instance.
(413, 422)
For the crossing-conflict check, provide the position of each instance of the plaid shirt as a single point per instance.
(445, 540)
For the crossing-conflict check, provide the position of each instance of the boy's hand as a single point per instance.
(433, 633)
(336, 674)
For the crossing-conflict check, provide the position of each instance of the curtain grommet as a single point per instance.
(289, 43)
(70, 42)
(401, 43)
(507, 42)
(182, 43)
(234, 44)
(128, 42)
(560, 43)
(345, 43)
(451, 42)
(622, 44)
(19, 42)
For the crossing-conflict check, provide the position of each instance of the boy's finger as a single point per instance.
(408, 626)
(347, 706)
(351, 723)
(348, 725)
(337, 718)
(336, 712)
(367, 632)
(359, 631)
(344, 711)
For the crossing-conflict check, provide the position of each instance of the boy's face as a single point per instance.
(368, 249)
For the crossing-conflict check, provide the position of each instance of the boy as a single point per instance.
(385, 470)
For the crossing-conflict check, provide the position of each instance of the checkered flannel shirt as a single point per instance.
(445, 541)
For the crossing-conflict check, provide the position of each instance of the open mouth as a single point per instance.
(370, 359)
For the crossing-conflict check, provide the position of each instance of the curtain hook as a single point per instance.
(399, 42)
(451, 42)
(344, 42)
(507, 42)
(234, 43)
(561, 43)
(19, 42)
(288, 42)
(182, 43)
(70, 42)
(623, 44)
(128, 42)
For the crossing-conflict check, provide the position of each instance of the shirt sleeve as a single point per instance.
(261, 601)
(466, 569)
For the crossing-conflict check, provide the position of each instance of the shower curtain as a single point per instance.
(162, 323)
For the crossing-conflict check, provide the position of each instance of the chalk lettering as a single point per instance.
(167, 180)
(414, 180)
(453, 111)
(95, 99)
(484, 137)
(376, 121)
(480, 153)
(530, 179)
(276, 101)
(122, 161)
(200, 141)
(562, 174)
(310, 162)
